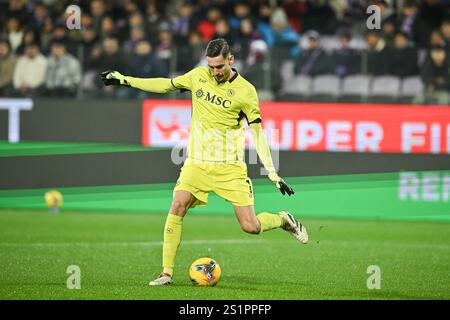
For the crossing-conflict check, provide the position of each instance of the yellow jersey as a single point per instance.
(218, 112)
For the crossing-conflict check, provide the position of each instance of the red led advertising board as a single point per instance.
(334, 127)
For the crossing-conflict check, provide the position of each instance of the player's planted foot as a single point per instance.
(163, 280)
(294, 227)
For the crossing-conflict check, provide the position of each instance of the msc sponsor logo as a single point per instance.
(214, 99)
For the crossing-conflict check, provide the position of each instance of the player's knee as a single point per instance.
(250, 227)
(178, 208)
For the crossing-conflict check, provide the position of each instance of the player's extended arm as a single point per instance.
(263, 150)
(158, 85)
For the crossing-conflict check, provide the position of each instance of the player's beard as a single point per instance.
(222, 77)
(219, 78)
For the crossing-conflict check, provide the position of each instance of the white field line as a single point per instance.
(127, 244)
(326, 243)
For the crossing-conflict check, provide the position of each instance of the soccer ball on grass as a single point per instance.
(205, 272)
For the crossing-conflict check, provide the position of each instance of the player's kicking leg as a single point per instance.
(265, 221)
(182, 201)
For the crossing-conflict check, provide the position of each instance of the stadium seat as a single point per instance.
(410, 88)
(287, 71)
(296, 89)
(355, 87)
(326, 86)
(385, 89)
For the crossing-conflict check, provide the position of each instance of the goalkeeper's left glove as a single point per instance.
(284, 188)
(114, 78)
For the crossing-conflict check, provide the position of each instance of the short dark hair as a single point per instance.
(218, 47)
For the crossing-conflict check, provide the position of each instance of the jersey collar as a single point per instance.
(234, 76)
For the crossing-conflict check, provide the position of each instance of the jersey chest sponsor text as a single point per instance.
(215, 99)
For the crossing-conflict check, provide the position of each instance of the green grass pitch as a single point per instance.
(118, 253)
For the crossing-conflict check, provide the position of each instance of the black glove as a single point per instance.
(281, 185)
(284, 188)
(114, 78)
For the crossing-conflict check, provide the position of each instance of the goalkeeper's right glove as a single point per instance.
(114, 78)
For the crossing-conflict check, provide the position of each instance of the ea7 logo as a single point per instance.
(374, 21)
(73, 20)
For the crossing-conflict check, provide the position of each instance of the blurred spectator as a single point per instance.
(165, 47)
(241, 10)
(445, 32)
(31, 63)
(135, 35)
(46, 35)
(296, 12)
(345, 59)
(107, 29)
(106, 57)
(246, 35)
(60, 35)
(88, 41)
(14, 32)
(387, 13)
(436, 77)
(402, 60)
(256, 69)
(207, 27)
(183, 23)
(437, 39)
(190, 55)
(284, 38)
(313, 60)
(388, 33)
(40, 13)
(353, 13)
(86, 20)
(321, 17)
(8, 62)
(412, 24)
(223, 31)
(98, 10)
(30, 37)
(136, 21)
(375, 54)
(16, 8)
(63, 72)
(263, 23)
(143, 64)
(154, 20)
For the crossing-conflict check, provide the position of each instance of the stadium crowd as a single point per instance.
(41, 56)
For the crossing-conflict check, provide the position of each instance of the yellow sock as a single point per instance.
(172, 239)
(269, 221)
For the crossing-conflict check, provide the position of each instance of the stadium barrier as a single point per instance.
(334, 127)
(406, 168)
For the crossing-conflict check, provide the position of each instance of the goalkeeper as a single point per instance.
(221, 99)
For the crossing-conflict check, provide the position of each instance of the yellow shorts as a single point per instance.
(227, 180)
